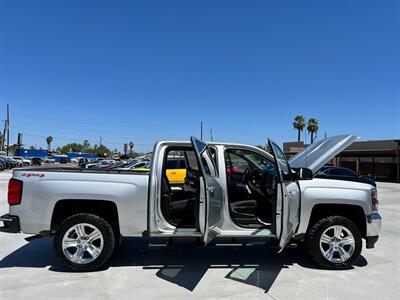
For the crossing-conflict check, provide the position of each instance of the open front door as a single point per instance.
(211, 195)
(287, 198)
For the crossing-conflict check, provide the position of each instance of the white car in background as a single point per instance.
(48, 159)
(24, 162)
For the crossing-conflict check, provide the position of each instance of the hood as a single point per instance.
(319, 153)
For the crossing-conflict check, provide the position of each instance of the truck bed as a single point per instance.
(82, 170)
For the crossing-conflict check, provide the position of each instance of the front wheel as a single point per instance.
(84, 242)
(334, 242)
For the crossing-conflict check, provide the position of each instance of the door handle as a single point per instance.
(173, 172)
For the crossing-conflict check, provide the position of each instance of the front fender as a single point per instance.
(324, 191)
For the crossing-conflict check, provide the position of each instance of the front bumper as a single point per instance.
(374, 225)
(11, 224)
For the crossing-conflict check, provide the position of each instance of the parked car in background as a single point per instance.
(75, 160)
(340, 173)
(100, 164)
(3, 165)
(139, 164)
(36, 161)
(24, 161)
(48, 160)
(82, 161)
(144, 168)
(91, 161)
(11, 163)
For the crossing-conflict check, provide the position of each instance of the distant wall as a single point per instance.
(31, 153)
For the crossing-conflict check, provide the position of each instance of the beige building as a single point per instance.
(379, 159)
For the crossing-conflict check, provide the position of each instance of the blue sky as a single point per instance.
(148, 70)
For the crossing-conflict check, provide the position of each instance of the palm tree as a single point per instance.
(312, 127)
(299, 123)
(131, 144)
(49, 139)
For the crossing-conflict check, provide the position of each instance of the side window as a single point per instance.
(281, 161)
(181, 164)
(171, 164)
(238, 161)
(345, 172)
(333, 171)
(192, 160)
(213, 153)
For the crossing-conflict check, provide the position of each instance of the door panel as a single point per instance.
(288, 198)
(211, 194)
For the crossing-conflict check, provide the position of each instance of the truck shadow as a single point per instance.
(183, 263)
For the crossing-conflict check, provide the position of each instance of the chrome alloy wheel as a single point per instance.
(82, 243)
(337, 244)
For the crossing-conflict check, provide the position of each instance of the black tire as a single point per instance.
(108, 240)
(313, 242)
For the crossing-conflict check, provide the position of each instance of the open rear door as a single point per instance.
(287, 198)
(211, 195)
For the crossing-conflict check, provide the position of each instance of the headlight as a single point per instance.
(374, 198)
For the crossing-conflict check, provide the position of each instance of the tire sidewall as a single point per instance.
(108, 240)
(313, 242)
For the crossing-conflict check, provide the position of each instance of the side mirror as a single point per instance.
(304, 174)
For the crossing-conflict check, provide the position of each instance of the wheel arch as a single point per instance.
(354, 213)
(67, 207)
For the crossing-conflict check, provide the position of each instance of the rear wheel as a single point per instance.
(84, 242)
(334, 242)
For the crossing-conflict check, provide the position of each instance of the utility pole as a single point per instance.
(101, 140)
(8, 129)
(3, 140)
(201, 130)
(211, 134)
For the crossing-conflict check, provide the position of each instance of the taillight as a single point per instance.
(374, 198)
(14, 191)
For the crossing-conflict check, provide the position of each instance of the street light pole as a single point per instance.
(8, 129)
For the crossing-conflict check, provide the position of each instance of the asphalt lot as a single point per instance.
(31, 271)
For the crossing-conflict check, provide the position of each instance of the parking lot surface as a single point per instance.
(187, 270)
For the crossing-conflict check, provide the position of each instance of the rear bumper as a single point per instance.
(11, 224)
(374, 225)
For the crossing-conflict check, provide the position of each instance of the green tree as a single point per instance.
(103, 151)
(72, 147)
(49, 139)
(312, 127)
(265, 148)
(299, 123)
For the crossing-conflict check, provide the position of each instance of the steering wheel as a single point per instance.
(251, 175)
(245, 175)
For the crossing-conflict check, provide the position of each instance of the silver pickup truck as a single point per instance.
(229, 190)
